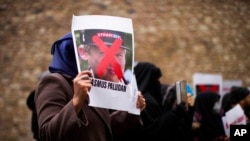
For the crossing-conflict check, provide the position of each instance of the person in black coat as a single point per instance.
(158, 125)
(31, 105)
(209, 125)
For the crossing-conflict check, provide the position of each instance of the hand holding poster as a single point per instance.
(234, 116)
(104, 45)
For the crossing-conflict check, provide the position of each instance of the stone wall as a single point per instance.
(180, 36)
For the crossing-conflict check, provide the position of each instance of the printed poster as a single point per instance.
(105, 45)
(208, 82)
(228, 84)
(234, 116)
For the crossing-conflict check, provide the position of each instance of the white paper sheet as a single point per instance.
(234, 116)
(107, 94)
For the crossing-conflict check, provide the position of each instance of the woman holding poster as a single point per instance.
(62, 99)
(106, 50)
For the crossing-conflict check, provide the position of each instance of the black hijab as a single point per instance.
(147, 77)
(211, 123)
(205, 102)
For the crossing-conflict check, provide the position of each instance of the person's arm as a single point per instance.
(57, 117)
(30, 100)
(82, 85)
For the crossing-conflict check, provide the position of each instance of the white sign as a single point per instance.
(234, 116)
(208, 82)
(228, 84)
(105, 45)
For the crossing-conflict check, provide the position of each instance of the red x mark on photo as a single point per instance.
(109, 56)
(213, 88)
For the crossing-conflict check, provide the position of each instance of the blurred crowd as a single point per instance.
(164, 119)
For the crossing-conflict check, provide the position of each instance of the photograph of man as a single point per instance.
(106, 53)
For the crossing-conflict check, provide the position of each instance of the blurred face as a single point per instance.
(95, 56)
(246, 108)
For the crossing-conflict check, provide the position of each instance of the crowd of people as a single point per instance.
(61, 104)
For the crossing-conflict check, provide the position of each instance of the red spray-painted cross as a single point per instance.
(109, 56)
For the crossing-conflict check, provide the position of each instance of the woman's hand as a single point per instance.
(141, 103)
(82, 85)
(190, 100)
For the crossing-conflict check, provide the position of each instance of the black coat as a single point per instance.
(159, 125)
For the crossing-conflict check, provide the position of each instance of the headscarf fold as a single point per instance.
(64, 60)
(147, 77)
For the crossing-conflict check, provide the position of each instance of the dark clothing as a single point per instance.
(184, 124)
(226, 104)
(147, 77)
(58, 120)
(163, 126)
(164, 88)
(211, 126)
(159, 125)
(31, 105)
(238, 93)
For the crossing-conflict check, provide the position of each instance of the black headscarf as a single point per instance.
(157, 124)
(205, 102)
(147, 77)
(211, 124)
(169, 98)
(238, 93)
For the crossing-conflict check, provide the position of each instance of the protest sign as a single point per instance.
(105, 45)
(234, 116)
(208, 82)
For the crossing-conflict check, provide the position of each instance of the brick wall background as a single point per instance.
(181, 37)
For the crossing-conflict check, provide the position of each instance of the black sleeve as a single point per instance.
(30, 100)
